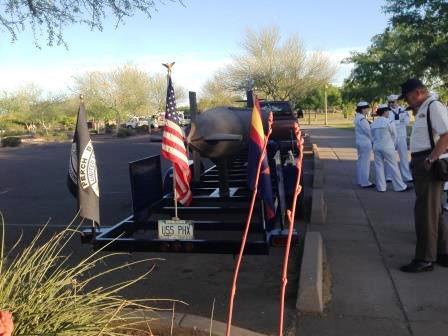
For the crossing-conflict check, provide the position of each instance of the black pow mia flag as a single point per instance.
(83, 172)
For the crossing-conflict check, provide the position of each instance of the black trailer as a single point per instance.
(216, 218)
(212, 223)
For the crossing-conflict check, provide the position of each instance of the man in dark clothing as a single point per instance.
(431, 230)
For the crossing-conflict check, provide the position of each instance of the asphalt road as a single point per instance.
(33, 191)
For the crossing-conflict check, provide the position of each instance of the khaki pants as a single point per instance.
(430, 227)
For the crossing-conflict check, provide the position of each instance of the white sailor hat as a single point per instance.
(362, 104)
(392, 98)
(382, 108)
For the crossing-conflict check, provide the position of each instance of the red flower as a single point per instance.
(6, 325)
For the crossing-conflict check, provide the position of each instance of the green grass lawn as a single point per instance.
(335, 120)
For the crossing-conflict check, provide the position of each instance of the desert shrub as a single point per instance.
(124, 132)
(57, 136)
(48, 293)
(11, 141)
(13, 132)
(110, 128)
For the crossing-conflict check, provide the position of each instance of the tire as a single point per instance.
(129, 127)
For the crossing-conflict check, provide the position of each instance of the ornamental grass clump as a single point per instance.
(50, 294)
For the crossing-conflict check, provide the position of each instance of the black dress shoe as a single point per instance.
(417, 266)
(369, 186)
(442, 260)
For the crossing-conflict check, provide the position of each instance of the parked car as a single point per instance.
(141, 122)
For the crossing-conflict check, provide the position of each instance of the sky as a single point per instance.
(200, 36)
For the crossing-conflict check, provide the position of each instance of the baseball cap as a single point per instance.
(409, 86)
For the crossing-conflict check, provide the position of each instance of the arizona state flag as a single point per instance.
(257, 139)
(83, 172)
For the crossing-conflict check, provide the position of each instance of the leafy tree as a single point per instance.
(315, 99)
(415, 44)
(123, 92)
(157, 93)
(215, 93)
(427, 23)
(388, 62)
(281, 71)
(27, 107)
(50, 18)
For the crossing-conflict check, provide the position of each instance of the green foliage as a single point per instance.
(315, 98)
(110, 96)
(11, 141)
(50, 18)
(427, 27)
(414, 45)
(57, 136)
(216, 93)
(123, 92)
(280, 70)
(48, 293)
(110, 128)
(387, 63)
(348, 109)
(27, 110)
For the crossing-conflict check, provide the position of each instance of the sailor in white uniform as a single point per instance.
(363, 144)
(401, 119)
(384, 136)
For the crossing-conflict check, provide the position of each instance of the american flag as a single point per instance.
(173, 147)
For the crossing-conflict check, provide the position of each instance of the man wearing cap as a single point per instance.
(363, 144)
(431, 230)
(400, 117)
(384, 137)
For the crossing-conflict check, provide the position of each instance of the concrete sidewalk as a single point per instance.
(368, 236)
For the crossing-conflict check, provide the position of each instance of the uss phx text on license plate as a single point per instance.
(176, 229)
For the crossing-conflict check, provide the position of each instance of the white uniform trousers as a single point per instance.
(387, 159)
(363, 163)
(402, 149)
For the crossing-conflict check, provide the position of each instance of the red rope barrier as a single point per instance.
(291, 215)
(246, 230)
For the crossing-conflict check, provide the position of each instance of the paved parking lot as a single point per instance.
(33, 191)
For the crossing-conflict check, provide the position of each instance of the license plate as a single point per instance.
(176, 230)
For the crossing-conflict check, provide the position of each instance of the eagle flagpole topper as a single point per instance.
(173, 147)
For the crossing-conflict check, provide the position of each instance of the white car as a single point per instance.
(136, 122)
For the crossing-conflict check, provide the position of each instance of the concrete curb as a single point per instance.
(318, 175)
(192, 323)
(318, 164)
(311, 292)
(318, 205)
(318, 208)
(318, 179)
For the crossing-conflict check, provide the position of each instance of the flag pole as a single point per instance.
(175, 194)
(169, 66)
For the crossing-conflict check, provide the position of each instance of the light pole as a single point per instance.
(326, 105)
